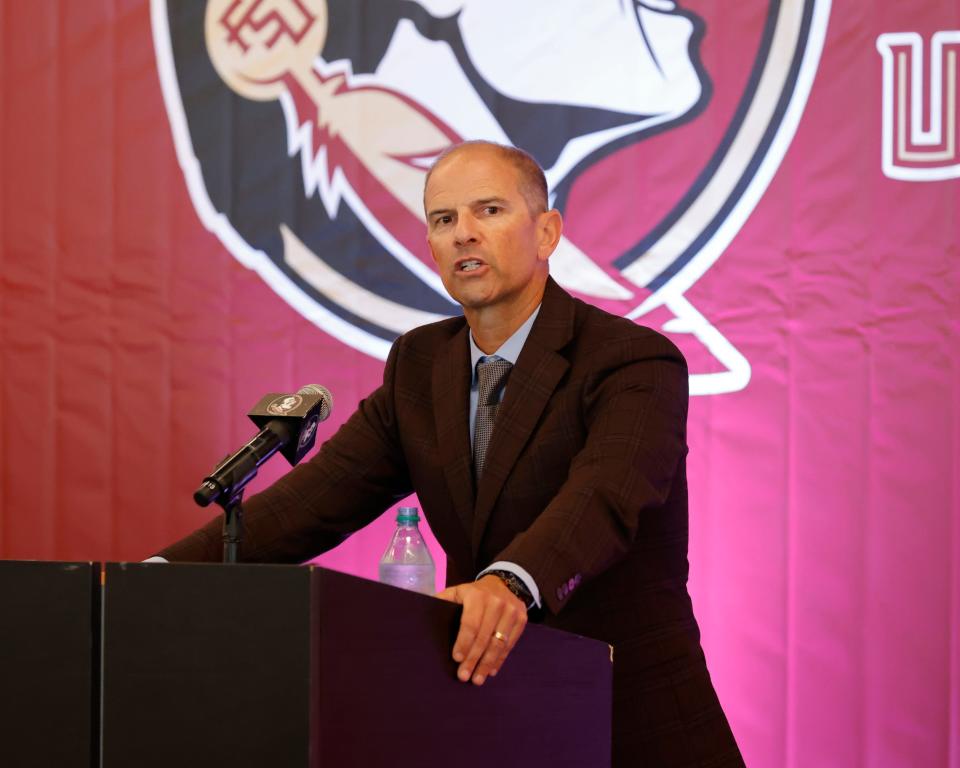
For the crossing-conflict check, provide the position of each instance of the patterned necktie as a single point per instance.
(492, 375)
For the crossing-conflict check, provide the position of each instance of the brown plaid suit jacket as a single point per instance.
(584, 486)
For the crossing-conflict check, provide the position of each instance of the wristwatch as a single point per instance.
(515, 584)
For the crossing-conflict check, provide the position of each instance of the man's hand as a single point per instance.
(492, 622)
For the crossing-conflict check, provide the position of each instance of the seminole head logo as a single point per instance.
(305, 129)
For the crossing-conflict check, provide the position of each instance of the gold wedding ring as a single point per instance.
(498, 635)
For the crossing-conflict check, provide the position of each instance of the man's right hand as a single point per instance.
(493, 620)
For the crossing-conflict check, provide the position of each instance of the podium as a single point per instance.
(270, 665)
(49, 664)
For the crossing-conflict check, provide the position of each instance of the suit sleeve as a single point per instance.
(353, 478)
(635, 416)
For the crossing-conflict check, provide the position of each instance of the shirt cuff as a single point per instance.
(520, 573)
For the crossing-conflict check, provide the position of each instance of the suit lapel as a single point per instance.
(532, 382)
(451, 398)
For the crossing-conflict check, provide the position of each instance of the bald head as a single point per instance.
(532, 182)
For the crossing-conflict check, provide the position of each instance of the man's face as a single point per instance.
(490, 248)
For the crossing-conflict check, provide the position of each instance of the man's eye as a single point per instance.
(492, 210)
(442, 220)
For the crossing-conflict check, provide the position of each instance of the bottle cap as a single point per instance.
(407, 515)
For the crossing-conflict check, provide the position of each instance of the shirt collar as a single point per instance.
(509, 350)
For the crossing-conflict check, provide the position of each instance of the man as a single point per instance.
(575, 499)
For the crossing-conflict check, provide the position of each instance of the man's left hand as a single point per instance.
(493, 620)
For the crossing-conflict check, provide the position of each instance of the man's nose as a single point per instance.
(466, 229)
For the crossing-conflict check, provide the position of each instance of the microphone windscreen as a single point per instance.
(326, 404)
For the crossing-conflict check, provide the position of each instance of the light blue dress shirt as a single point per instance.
(509, 351)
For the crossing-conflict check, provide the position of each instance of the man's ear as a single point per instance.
(550, 227)
(432, 254)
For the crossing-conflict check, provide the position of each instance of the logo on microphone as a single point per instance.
(309, 430)
(283, 406)
(305, 129)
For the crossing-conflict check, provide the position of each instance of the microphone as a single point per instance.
(288, 424)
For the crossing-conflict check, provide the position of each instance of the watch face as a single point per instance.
(515, 585)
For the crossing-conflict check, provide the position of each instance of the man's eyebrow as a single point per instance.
(475, 204)
(437, 212)
(489, 200)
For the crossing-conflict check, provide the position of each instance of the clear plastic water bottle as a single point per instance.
(407, 562)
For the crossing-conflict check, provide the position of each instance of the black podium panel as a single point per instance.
(205, 665)
(49, 662)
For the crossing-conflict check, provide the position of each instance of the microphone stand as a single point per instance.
(232, 524)
(227, 492)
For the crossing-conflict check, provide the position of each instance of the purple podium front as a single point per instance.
(270, 665)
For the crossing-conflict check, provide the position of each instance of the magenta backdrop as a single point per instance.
(825, 545)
